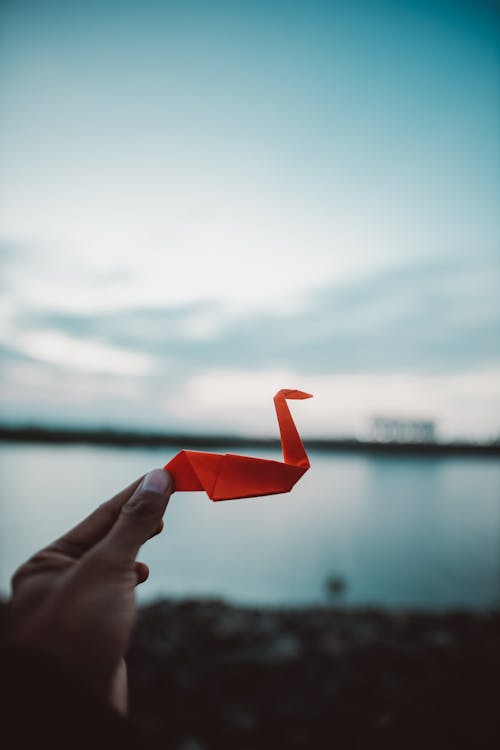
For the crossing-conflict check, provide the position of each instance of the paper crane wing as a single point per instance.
(228, 476)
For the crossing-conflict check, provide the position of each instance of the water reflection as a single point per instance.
(398, 530)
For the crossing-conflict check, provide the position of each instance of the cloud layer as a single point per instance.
(419, 340)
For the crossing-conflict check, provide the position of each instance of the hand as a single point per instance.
(75, 600)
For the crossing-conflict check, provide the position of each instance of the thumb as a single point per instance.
(140, 515)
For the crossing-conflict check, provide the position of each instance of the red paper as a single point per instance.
(225, 476)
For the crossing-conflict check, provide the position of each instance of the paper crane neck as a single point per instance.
(291, 444)
(228, 476)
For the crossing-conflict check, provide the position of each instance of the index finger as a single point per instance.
(92, 529)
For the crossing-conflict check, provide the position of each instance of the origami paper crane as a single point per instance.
(228, 476)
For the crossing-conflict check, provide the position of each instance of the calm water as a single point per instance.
(401, 531)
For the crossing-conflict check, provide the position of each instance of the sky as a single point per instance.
(204, 202)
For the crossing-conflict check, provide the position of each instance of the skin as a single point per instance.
(75, 599)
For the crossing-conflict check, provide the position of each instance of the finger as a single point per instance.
(158, 529)
(93, 528)
(139, 517)
(141, 571)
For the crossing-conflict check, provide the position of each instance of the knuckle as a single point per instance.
(44, 560)
(35, 562)
(142, 506)
(19, 575)
(107, 511)
(70, 548)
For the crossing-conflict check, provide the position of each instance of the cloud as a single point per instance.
(420, 339)
(58, 348)
(434, 317)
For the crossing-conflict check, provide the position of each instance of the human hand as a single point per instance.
(75, 600)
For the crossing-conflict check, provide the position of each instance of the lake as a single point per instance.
(399, 530)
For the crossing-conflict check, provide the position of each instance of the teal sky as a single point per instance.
(205, 201)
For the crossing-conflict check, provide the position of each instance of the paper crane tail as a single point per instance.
(229, 476)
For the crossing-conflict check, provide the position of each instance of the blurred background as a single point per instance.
(204, 202)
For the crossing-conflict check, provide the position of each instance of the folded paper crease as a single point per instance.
(228, 476)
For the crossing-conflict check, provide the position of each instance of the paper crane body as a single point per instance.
(228, 476)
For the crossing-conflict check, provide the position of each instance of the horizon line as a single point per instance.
(123, 437)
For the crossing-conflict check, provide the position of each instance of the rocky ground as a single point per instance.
(212, 677)
(216, 676)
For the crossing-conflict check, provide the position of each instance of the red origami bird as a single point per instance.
(228, 476)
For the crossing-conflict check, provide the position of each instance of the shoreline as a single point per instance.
(124, 438)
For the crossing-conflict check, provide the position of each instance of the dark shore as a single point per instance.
(121, 438)
(217, 676)
(212, 676)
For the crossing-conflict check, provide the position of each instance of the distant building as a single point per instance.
(388, 429)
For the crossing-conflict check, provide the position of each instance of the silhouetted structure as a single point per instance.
(389, 429)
